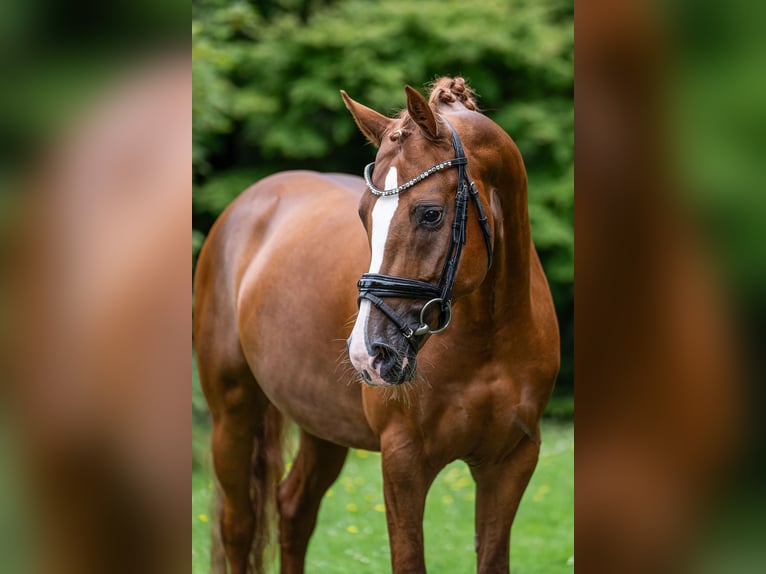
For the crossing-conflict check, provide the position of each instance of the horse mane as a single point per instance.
(446, 90)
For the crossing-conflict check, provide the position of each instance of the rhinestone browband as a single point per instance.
(413, 181)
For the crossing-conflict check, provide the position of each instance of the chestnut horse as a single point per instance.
(448, 251)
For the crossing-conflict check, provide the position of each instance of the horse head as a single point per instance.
(429, 236)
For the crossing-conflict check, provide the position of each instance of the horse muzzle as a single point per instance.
(380, 364)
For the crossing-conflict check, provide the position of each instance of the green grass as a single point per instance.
(351, 535)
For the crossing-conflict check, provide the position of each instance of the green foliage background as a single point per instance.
(266, 77)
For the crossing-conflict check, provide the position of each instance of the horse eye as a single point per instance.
(431, 216)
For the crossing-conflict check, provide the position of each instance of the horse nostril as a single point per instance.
(382, 356)
(388, 363)
(379, 357)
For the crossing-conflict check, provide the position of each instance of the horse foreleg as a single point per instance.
(315, 468)
(499, 487)
(406, 480)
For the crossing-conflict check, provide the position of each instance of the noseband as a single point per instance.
(375, 286)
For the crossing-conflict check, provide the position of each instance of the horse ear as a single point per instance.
(372, 124)
(421, 112)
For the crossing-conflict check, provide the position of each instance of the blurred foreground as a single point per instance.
(670, 271)
(95, 300)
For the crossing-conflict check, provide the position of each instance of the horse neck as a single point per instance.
(505, 291)
(507, 283)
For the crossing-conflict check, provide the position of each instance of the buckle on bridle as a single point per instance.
(424, 328)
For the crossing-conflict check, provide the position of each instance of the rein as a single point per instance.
(375, 286)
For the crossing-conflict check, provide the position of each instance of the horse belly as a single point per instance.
(296, 307)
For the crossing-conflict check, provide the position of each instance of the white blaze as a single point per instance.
(382, 214)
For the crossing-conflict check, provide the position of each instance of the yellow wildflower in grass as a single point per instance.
(329, 493)
(348, 484)
(362, 454)
(453, 474)
(447, 499)
(203, 517)
(351, 507)
(352, 529)
(380, 508)
(461, 483)
(541, 492)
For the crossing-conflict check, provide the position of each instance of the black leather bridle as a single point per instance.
(376, 286)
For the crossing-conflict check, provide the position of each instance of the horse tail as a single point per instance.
(217, 553)
(267, 472)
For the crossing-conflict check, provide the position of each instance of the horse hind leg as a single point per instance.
(246, 448)
(316, 466)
